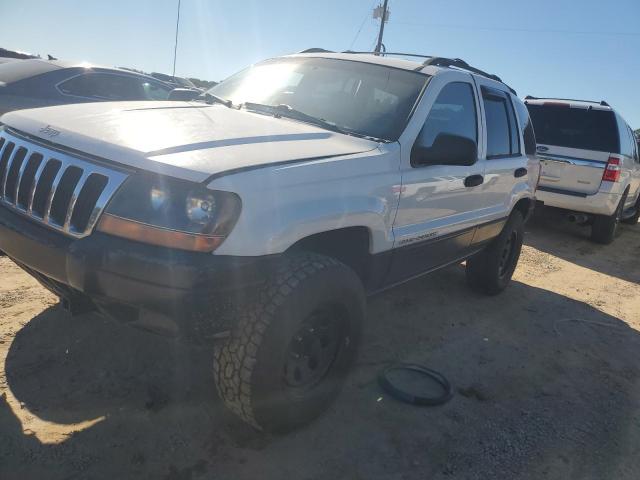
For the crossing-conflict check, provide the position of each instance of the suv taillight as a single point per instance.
(612, 171)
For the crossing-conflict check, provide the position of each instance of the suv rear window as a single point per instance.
(587, 129)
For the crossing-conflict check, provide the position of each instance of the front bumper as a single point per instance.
(110, 270)
(600, 203)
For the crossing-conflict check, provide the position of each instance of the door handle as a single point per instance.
(473, 180)
(520, 172)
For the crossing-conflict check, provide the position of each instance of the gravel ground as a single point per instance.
(547, 381)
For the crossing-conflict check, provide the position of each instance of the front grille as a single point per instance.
(59, 190)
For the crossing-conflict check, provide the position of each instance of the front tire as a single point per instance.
(290, 351)
(490, 270)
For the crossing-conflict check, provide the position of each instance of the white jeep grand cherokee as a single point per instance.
(590, 163)
(291, 190)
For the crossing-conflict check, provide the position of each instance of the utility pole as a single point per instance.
(381, 12)
(175, 48)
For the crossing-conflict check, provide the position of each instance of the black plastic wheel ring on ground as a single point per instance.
(394, 391)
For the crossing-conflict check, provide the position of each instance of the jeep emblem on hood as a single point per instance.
(49, 132)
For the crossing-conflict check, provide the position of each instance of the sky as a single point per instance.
(584, 49)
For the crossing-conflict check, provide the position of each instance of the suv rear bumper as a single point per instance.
(111, 270)
(600, 203)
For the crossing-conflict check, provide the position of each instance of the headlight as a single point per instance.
(171, 213)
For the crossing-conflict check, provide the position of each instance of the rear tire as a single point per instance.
(490, 270)
(604, 227)
(633, 220)
(290, 351)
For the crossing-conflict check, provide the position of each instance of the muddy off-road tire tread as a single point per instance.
(235, 359)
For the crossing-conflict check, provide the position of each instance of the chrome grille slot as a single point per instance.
(14, 168)
(61, 198)
(59, 190)
(4, 161)
(43, 187)
(27, 181)
(91, 191)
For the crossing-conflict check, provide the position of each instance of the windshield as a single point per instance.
(587, 129)
(367, 99)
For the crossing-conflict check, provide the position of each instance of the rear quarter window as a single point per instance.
(583, 128)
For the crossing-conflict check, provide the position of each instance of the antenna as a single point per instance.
(175, 47)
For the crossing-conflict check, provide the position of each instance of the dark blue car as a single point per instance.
(41, 83)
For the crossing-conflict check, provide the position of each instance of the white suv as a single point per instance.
(590, 163)
(291, 190)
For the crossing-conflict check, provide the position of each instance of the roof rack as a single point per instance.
(429, 60)
(462, 65)
(601, 102)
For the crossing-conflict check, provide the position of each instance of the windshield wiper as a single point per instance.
(284, 110)
(210, 99)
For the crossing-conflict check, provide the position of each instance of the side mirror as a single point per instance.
(447, 149)
(183, 94)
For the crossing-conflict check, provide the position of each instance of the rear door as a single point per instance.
(506, 162)
(574, 145)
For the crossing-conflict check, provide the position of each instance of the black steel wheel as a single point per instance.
(290, 351)
(490, 270)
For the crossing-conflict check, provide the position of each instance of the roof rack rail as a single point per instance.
(462, 65)
(429, 60)
(601, 102)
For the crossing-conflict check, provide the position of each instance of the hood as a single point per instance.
(192, 141)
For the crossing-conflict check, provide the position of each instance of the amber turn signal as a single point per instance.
(141, 232)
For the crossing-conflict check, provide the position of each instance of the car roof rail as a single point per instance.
(601, 102)
(462, 65)
(429, 60)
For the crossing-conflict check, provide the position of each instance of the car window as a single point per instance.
(584, 128)
(453, 112)
(499, 142)
(626, 141)
(513, 128)
(103, 86)
(527, 128)
(362, 98)
(154, 91)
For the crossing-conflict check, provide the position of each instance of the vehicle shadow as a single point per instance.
(550, 232)
(537, 395)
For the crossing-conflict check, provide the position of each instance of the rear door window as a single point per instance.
(104, 86)
(527, 128)
(584, 128)
(502, 134)
(627, 145)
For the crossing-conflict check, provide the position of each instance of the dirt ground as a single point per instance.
(547, 380)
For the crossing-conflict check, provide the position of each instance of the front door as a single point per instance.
(437, 212)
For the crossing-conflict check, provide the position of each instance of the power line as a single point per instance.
(509, 29)
(362, 24)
